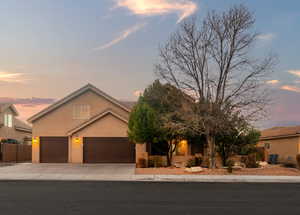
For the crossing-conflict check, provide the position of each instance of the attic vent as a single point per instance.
(81, 111)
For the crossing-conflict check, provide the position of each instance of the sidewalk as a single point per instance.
(118, 172)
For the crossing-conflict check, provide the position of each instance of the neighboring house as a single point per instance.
(87, 126)
(283, 141)
(10, 126)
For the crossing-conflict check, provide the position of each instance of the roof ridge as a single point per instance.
(95, 118)
(73, 95)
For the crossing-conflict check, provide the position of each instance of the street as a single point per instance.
(33, 197)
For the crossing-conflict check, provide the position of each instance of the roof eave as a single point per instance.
(73, 95)
(279, 137)
(96, 118)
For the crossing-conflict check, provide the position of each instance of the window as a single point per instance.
(8, 118)
(81, 111)
(182, 148)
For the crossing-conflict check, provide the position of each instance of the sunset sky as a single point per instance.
(51, 47)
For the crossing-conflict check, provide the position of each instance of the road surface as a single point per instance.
(88, 198)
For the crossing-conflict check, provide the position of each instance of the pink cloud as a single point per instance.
(27, 111)
(183, 8)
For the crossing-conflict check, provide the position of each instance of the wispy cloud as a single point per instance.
(183, 8)
(291, 88)
(12, 77)
(272, 82)
(294, 72)
(126, 33)
(266, 37)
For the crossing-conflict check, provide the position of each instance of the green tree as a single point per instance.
(170, 105)
(236, 142)
(143, 126)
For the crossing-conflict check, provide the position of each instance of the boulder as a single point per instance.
(263, 164)
(194, 169)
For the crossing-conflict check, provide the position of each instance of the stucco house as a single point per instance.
(283, 141)
(10, 126)
(87, 126)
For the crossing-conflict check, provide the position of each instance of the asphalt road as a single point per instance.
(85, 198)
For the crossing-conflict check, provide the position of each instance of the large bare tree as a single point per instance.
(212, 61)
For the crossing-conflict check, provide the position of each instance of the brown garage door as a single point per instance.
(54, 149)
(108, 150)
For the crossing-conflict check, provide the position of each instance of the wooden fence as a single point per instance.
(15, 152)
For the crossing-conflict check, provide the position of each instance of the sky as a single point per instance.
(50, 48)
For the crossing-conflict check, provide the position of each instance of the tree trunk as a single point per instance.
(170, 154)
(211, 151)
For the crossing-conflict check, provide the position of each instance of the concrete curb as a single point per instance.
(220, 179)
(153, 178)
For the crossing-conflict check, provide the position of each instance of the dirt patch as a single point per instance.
(275, 170)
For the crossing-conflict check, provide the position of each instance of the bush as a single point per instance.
(250, 161)
(196, 161)
(230, 164)
(190, 163)
(298, 160)
(156, 162)
(288, 164)
(150, 163)
(142, 163)
(260, 155)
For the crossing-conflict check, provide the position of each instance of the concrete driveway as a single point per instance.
(29, 171)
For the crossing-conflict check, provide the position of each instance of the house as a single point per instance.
(283, 141)
(10, 126)
(87, 126)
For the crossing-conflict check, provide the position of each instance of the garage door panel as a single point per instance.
(108, 150)
(54, 149)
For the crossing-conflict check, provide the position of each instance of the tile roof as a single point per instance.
(280, 132)
(20, 124)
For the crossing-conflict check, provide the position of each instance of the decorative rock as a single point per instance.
(236, 167)
(263, 164)
(194, 169)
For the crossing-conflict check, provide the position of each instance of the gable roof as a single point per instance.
(88, 87)
(5, 106)
(280, 132)
(96, 118)
(22, 126)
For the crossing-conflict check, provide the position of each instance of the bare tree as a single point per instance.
(212, 62)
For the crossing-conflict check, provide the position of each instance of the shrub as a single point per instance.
(298, 160)
(156, 162)
(250, 161)
(196, 161)
(260, 155)
(150, 163)
(142, 163)
(190, 163)
(230, 164)
(288, 164)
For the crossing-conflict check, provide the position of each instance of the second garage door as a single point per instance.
(108, 150)
(54, 149)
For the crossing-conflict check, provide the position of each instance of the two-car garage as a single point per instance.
(87, 126)
(95, 150)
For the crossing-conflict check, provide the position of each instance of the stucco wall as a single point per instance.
(286, 148)
(108, 126)
(60, 121)
(11, 133)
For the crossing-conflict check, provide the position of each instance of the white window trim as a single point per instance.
(8, 120)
